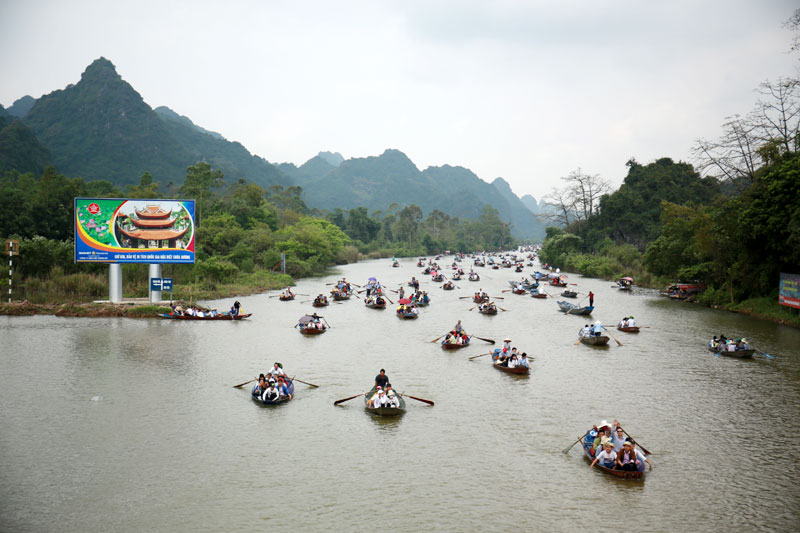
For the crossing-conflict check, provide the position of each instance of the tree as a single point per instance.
(579, 199)
(408, 222)
(202, 184)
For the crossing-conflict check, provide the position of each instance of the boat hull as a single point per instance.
(740, 354)
(633, 329)
(602, 340)
(621, 474)
(268, 403)
(218, 317)
(519, 370)
(384, 411)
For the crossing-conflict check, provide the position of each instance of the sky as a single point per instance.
(524, 90)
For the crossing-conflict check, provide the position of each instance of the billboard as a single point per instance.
(118, 230)
(789, 290)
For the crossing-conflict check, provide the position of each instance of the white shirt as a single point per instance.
(271, 393)
(631, 323)
(606, 457)
(523, 362)
(512, 363)
(276, 371)
(378, 400)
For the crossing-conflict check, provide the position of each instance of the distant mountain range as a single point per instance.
(101, 128)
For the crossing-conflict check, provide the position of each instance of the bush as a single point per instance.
(216, 270)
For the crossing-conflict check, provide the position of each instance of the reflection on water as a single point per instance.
(170, 445)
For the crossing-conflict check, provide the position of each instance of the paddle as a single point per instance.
(765, 354)
(463, 297)
(387, 298)
(566, 450)
(476, 356)
(490, 341)
(337, 402)
(240, 385)
(307, 383)
(645, 450)
(499, 298)
(473, 307)
(612, 336)
(415, 398)
(500, 308)
(439, 337)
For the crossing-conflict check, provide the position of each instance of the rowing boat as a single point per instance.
(337, 295)
(629, 329)
(741, 354)
(406, 314)
(173, 316)
(488, 310)
(569, 294)
(307, 330)
(383, 411)
(372, 304)
(523, 370)
(286, 297)
(622, 474)
(600, 340)
(320, 303)
(449, 286)
(538, 295)
(454, 345)
(572, 309)
(282, 399)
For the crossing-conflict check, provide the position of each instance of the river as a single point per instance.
(119, 424)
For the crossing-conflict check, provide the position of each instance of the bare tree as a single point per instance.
(577, 201)
(733, 155)
(778, 113)
(793, 24)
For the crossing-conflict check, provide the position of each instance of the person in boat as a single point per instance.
(283, 387)
(501, 358)
(379, 300)
(276, 370)
(631, 322)
(623, 323)
(607, 457)
(640, 457)
(591, 299)
(603, 433)
(391, 397)
(458, 328)
(381, 379)
(618, 438)
(261, 386)
(597, 329)
(425, 298)
(379, 400)
(506, 346)
(585, 332)
(523, 360)
(626, 458)
(512, 363)
(401, 293)
(271, 394)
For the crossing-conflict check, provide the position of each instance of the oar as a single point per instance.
(765, 354)
(645, 450)
(566, 450)
(385, 296)
(500, 308)
(326, 322)
(437, 338)
(473, 307)
(476, 356)
(418, 399)
(337, 402)
(240, 385)
(462, 297)
(306, 382)
(612, 336)
(507, 290)
(490, 341)
(394, 291)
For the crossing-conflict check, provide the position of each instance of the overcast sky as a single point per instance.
(528, 91)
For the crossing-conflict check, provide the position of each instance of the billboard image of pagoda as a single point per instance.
(153, 226)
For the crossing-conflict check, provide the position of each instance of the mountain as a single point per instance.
(100, 128)
(379, 181)
(334, 159)
(19, 148)
(21, 107)
(531, 203)
(521, 216)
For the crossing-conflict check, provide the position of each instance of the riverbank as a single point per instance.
(76, 309)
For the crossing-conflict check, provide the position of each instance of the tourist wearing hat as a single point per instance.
(506, 345)
(379, 400)
(626, 458)
(603, 434)
(597, 329)
(607, 457)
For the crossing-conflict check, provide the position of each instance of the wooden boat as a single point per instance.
(338, 295)
(383, 411)
(518, 269)
(473, 276)
(571, 309)
(631, 329)
(283, 399)
(173, 316)
(449, 286)
(320, 303)
(488, 311)
(741, 354)
(454, 346)
(456, 277)
(622, 474)
(602, 340)
(480, 299)
(438, 278)
(420, 264)
(569, 294)
(516, 370)
(375, 305)
(286, 297)
(538, 295)
(406, 314)
(305, 330)
(395, 264)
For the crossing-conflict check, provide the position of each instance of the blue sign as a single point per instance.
(166, 284)
(155, 284)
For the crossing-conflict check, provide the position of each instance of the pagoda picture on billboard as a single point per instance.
(116, 230)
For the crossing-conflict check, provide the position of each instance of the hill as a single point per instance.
(19, 148)
(377, 182)
(101, 128)
(21, 107)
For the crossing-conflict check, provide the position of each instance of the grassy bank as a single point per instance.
(767, 307)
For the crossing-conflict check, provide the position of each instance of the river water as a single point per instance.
(133, 425)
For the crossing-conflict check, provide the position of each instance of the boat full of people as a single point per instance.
(197, 313)
(311, 325)
(273, 387)
(608, 449)
(628, 325)
(731, 348)
(509, 360)
(593, 335)
(382, 400)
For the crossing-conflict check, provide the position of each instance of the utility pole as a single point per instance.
(12, 246)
